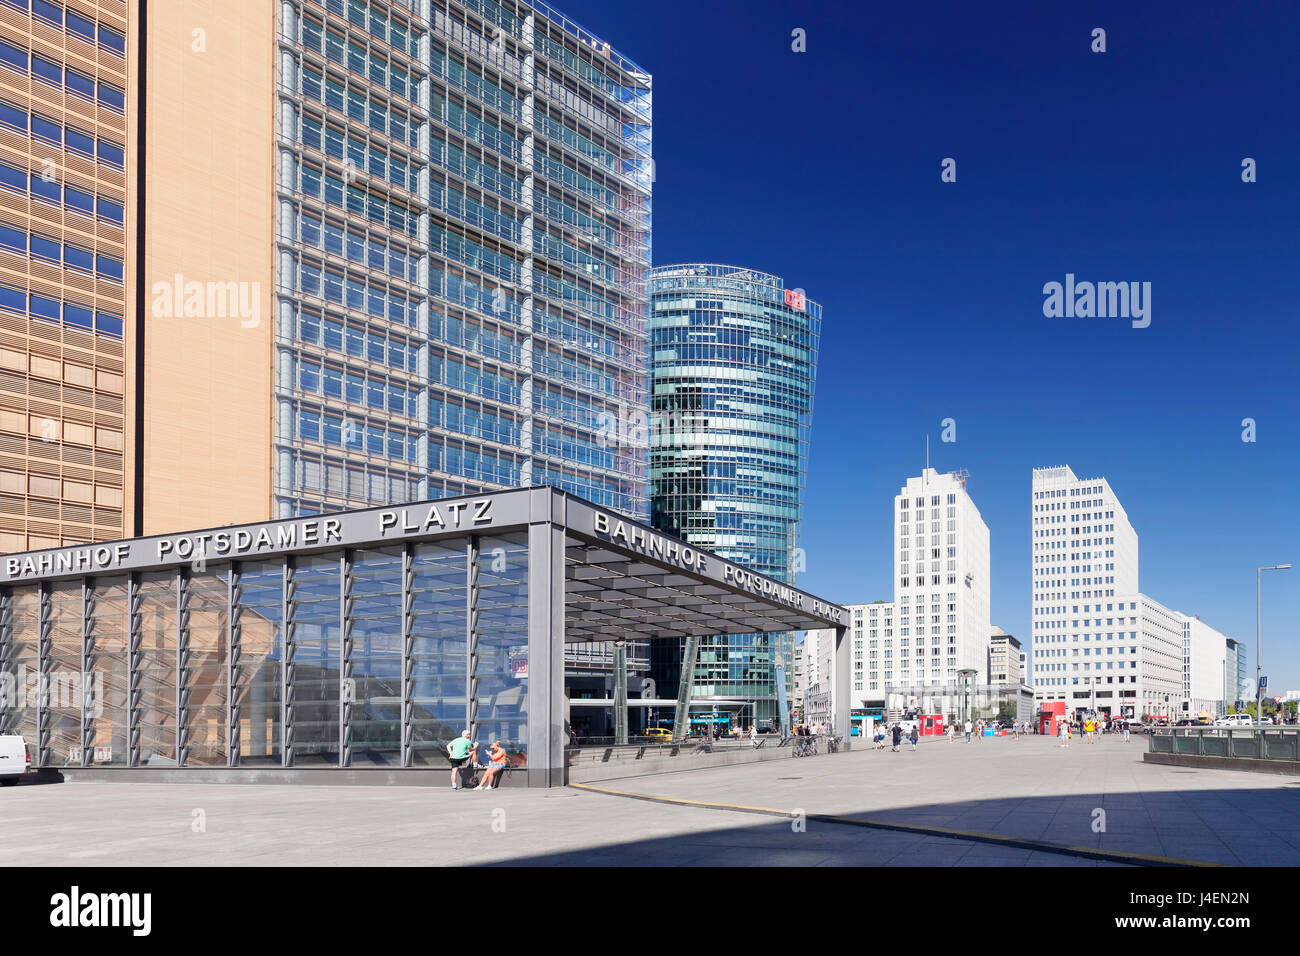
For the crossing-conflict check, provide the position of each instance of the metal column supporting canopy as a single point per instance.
(471, 640)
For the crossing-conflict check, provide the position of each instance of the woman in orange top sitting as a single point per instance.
(498, 755)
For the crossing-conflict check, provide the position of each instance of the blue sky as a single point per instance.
(824, 167)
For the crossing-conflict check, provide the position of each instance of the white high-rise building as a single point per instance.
(1084, 550)
(941, 578)
(1205, 665)
(938, 622)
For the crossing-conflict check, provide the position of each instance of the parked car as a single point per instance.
(14, 760)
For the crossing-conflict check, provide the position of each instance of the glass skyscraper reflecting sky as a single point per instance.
(733, 363)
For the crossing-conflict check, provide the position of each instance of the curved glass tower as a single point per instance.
(733, 365)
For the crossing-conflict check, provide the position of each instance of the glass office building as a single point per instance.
(733, 363)
(463, 228)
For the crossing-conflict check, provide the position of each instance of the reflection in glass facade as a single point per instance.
(733, 361)
(373, 657)
(108, 674)
(463, 240)
(437, 677)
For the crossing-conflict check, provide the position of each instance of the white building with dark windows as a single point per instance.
(1205, 664)
(1098, 643)
(1085, 554)
(938, 622)
(941, 574)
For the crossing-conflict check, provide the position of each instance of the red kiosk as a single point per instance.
(1051, 715)
(931, 725)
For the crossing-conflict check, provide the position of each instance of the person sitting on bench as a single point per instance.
(499, 758)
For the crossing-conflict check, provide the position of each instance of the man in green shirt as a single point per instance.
(458, 750)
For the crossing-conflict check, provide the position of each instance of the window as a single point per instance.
(11, 238)
(13, 56)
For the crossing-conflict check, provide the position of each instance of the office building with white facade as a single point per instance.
(1097, 642)
(1205, 669)
(941, 575)
(910, 649)
(1085, 552)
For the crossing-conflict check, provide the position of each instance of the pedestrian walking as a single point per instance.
(913, 736)
(1065, 734)
(951, 735)
(897, 733)
(1126, 731)
(968, 728)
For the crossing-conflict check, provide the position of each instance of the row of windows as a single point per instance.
(555, 170)
(473, 294)
(934, 502)
(356, 387)
(52, 191)
(476, 127)
(472, 81)
(474, 170)
(52, 310)
(378, 23)
(360, 201)
(591, 151)
(491, 343)
(313, 475)
(74, 23)
(358, 341)
(589, 378)
(52, 131)
(467, 377)
(355, 102)
(555, 209)
(474, 210)
(358, 292)
(374, 439)
(373, 158)
(472, 420)
(479, 464)
(357, 57)
(78, 84)
(51, 250)
(453, 245)
(359, 246)
(620, 494)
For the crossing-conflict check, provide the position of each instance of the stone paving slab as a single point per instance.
(1025, 788)
(1029, 788)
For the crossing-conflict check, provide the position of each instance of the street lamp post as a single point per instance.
(1259, 691)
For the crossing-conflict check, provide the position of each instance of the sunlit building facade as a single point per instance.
(63, 252)
(733, 362)
(463, 227)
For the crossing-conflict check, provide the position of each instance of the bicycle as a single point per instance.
(806, 747)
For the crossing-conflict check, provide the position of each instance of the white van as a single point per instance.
(1235, 720)
(14, 760)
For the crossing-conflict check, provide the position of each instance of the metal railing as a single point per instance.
(1258, 743)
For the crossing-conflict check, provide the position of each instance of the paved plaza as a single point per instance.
(1029, 789)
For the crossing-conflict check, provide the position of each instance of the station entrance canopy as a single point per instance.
(358, 639)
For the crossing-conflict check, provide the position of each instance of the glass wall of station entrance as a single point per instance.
(353, 658)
